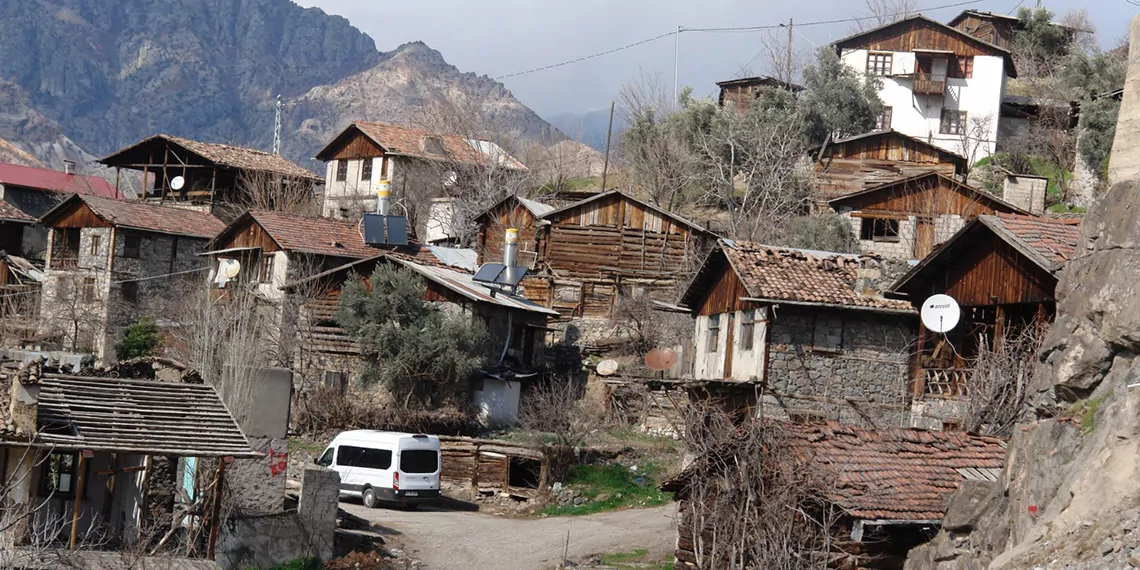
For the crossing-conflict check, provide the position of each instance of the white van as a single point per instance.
(385, 466)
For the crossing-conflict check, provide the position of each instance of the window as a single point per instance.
(951, 426)
(366, 170)
(88, 289)
(714, 333)
(130, 292)
(131, 246)
(879, 229)
(383, 168)
(747, 328)
(419, 461)
(883, 121)
(965, 67)
(366, 457)
(953, 122)
(57, 475)
(94, 250)
(879, 64)
(341, 170)
(326, 458)
(827, 336)
(265, 275)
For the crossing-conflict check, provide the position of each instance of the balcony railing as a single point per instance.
(946, 382)
(64, 263)
(929, 84)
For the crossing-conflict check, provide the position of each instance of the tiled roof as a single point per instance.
(149, 217)
(1055, 241)
(885, 474)
(55, 181)
(228, 155)
(418, 143)
(779, 274)
(9, 213)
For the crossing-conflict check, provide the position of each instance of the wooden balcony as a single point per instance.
(946, 382)
(929, 84)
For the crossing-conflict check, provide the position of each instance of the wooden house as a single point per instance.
(218, 178)
(515, 212)
(739, 93)
(516, 325)
(1002, 271)
(592, 252)
(21, 282)
(110, 262)
(867, 161)
(906, 218)
(796, 329)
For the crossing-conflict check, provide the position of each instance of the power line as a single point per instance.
(681, 30)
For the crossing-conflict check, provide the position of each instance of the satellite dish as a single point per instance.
(228, 270)
(177, 183)
(940, 313)
(660, 359)
(607, 367)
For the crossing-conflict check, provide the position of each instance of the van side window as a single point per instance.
(326, 458)
(369, 458)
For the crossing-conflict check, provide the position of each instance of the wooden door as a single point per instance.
(923, 237)
(729, 345)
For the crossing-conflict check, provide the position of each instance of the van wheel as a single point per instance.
(369, 498)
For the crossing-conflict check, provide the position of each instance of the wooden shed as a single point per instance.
(515, 212)
(866, 161)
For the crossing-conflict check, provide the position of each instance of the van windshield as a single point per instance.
(419, 461)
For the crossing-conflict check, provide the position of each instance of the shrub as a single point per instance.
(140, 339)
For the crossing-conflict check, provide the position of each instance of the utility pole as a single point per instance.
(676, 63)
(789, 78)
(609, 133)
(277, 129)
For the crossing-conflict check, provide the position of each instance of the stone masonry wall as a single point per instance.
(847, 366)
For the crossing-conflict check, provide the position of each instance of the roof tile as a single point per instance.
(151, 217)
(414, 142)
(55, 181)
(1054, 239)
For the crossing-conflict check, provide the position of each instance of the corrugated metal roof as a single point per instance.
(465, 259)
(463, 284)
(536, 208)
(55, 181)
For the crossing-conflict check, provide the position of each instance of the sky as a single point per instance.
(502, 37)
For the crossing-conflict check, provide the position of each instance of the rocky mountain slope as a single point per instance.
(90, 75)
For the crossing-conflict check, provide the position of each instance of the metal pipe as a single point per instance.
(383, 195)
(511, 247)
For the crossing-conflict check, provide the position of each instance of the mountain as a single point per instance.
(590, 128)
(90, 76)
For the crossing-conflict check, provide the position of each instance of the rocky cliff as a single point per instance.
(100, 75)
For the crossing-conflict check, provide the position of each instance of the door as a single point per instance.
(419, 470)
(923, 237)
(730, 345)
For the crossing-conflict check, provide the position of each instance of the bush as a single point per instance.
(325, 410)
(140, 339)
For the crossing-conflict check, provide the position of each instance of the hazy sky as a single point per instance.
(500, 37)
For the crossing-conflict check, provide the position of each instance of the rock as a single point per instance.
(602, 497)
(1106, 547)
(1134, 558)
(968, 504)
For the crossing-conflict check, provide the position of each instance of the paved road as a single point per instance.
(444, 540)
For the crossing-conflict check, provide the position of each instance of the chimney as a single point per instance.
(69, 166)
(511, 247)
(383, 192)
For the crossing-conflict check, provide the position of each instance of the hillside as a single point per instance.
(93, 76)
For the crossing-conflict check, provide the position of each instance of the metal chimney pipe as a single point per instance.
(69, 166)
(383, 192)
(511, 247)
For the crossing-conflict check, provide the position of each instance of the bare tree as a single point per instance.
(975, 140)
(654, 157)
(999, 379)
(882, 12)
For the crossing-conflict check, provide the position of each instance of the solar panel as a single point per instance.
(385, 230)
(512, 276)
(397, 230)
(489, 273)
(499, 274)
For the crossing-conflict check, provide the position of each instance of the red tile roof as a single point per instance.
(223, 155)
(416, 143)
(895, 473)
(1053, 239)
(147, 217)
(9, 213)
(779, 274)
(55, 181)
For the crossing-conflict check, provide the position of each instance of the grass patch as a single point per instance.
(297, 444)
(1065, 209)
(1085, 411)
(638, 558)
(299, 564)
(611, 487)
(574, 184)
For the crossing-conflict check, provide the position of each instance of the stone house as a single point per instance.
(26, 193)
(218, 178)
(427, 173)
(907, 218)
(111, 262)
(516, 325)
(938, 83)
(802, 333)
(1002, 270)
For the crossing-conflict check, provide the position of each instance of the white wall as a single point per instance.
(358, 196)
(920, 116)
(746, 364)
(498, 402)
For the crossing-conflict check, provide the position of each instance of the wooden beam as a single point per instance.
(216, 507)
(109, 495)
(143, 506)
(80, 467)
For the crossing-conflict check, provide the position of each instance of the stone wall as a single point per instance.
(1026, 192)
(259, 400)
(903, 248)
(847, 366)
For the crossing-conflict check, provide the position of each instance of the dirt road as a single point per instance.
(444, 540)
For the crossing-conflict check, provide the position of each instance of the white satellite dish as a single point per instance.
(228, 270)
(177, 183)
(940, 313)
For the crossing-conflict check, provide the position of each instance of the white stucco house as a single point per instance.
(939, 84)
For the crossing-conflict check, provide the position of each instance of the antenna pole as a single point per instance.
(676, 63)
(277, 129)
(609, 133)
(789, 79)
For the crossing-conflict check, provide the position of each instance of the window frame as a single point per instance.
(747, 329)
(886, 230)
(883, 121)
(88, 290)
(880, 63)
(947, 126)
(366, 170)
(963, 67)
(265, 266)
(341, 170)
(132, 246)
(712, 340)
(93, 247)
(42, 488)
(129, 292)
